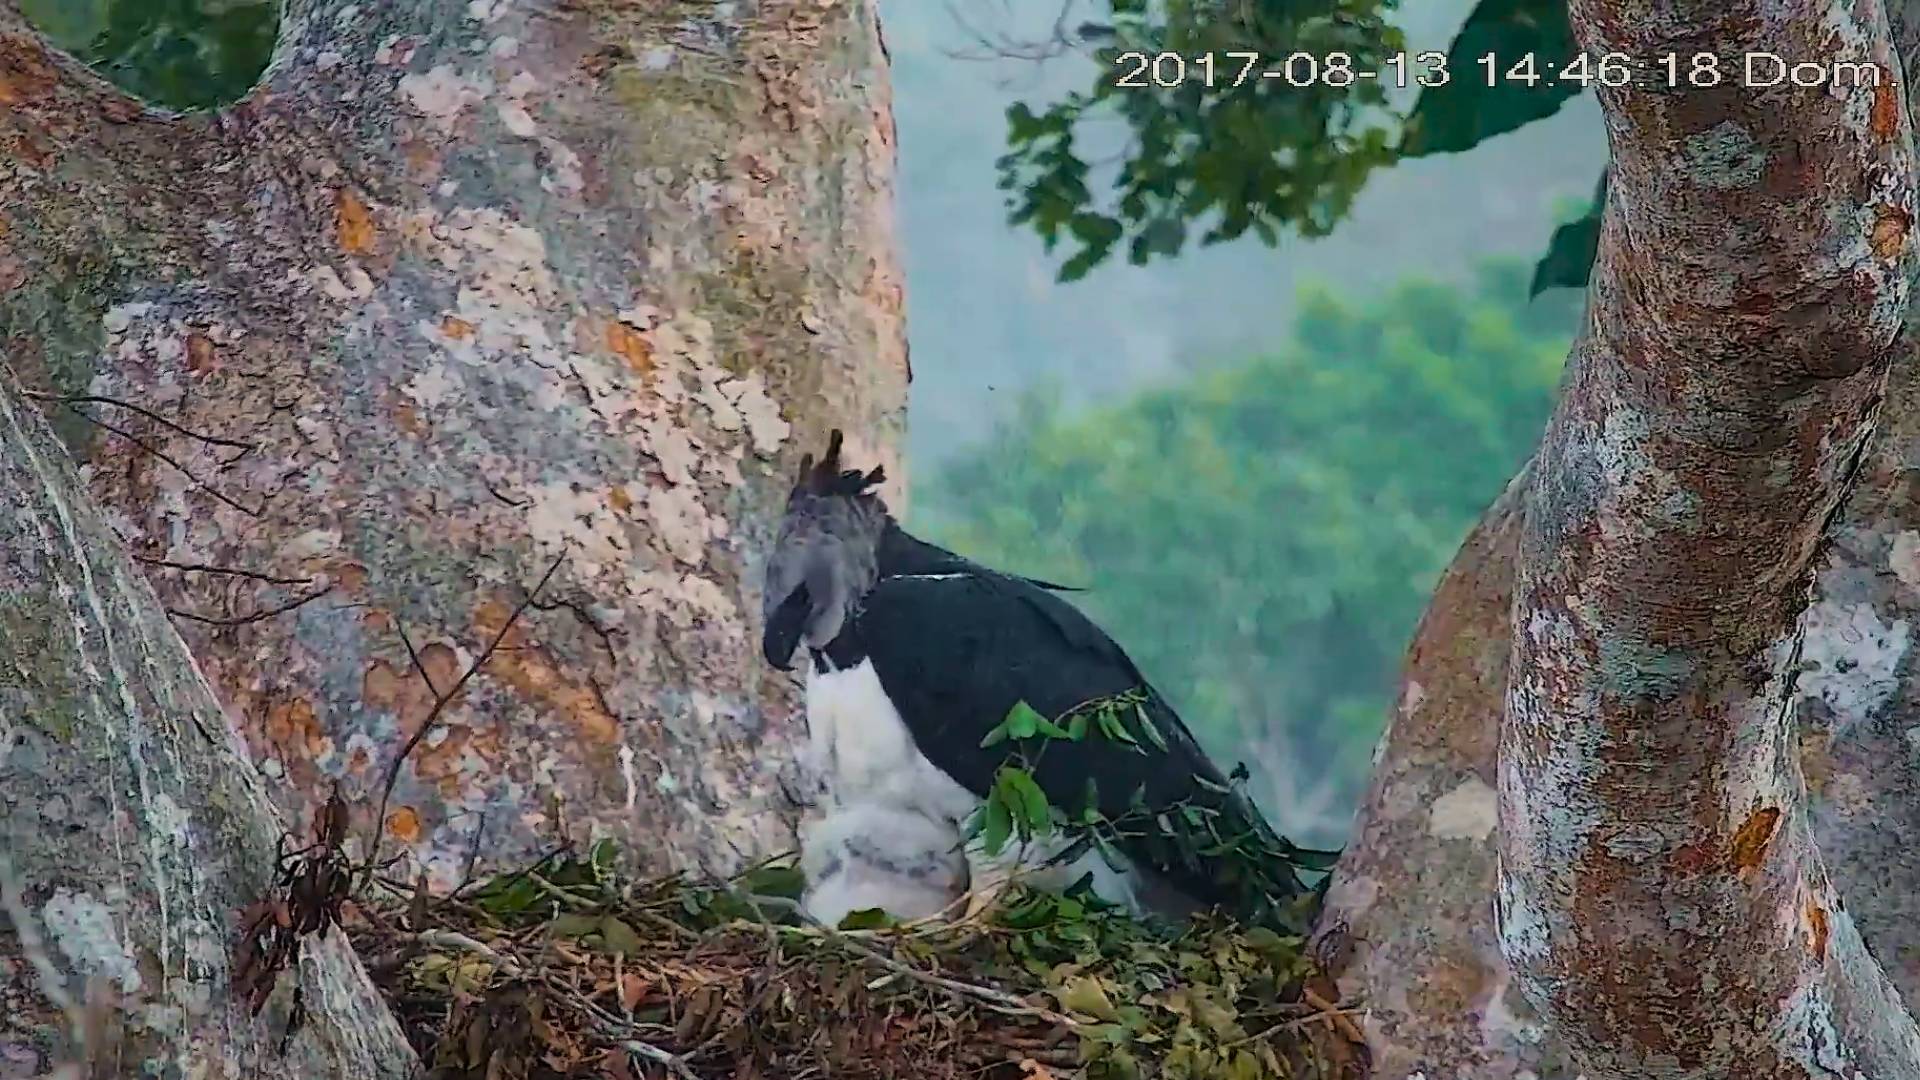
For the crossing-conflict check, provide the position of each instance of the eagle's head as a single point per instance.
(825, 557)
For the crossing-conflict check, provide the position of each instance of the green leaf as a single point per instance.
(1039, 815)
(1469, 108)
(1086, 996)
(866, 919)
(1077, 726)
(1090, 810)
(1313, 860)
(999, 824)
(1025, 801)
(618, 937)
(1147, 726)
(512, 898)
(774, 879)
(600, 858)
(1022, 721)
(574, 924)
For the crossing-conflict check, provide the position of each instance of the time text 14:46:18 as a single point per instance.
(1169, 70)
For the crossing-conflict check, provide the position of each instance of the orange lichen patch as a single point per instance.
(630, 345)
(349, 577)
(1817, 930)
(1452, 986)
(1886, 111)
(1750, 843)
(456, 328)
(354, 222)
(404, 825)
(534, 677)
(440, 763)
(24, 72)
(1890, 232)
(401, 691)
(617, 495)
(22, 146)
(291, 726)
(199, 353)
(407, 418)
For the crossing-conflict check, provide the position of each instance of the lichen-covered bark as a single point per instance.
(1408, 923)
(462, 288)
(1427, 827)
(132, 829)
(1661, 902)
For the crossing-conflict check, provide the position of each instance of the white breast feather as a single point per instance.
(890, 836)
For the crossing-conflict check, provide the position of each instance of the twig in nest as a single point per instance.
(997, 1000)
(440, 702)
(253, 616)
(659, 1057)
(1334, 1015)
(510, 878)
(560, 893)
(448, 939)
(307, 895)
(622, 1032)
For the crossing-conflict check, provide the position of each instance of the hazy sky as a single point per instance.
(985, 316)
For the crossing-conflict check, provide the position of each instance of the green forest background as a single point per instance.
(1244, 362)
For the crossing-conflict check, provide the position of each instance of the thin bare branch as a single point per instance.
(226, 571)
(413, 657)
(252, 617)
(71, 400)
(156, 452)
(440, 703)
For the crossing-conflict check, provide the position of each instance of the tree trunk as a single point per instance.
(464, 288)
(133, 831)
(461, 290)
(1663, 890)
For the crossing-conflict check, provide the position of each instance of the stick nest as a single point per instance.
(566, 970)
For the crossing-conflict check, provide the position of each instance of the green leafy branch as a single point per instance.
(1015, 806)
(1217, 833)
(1218, 147)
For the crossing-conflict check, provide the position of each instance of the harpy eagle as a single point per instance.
(915, 656)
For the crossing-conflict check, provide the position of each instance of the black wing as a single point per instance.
(902, 553)
(957, 651)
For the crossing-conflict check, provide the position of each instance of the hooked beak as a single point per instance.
(784, 628)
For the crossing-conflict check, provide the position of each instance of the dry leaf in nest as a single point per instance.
(696, 981)
(310, 887)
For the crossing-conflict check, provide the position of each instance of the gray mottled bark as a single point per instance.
(1409, 913)
(1661, 901)
(132, 826)
(460, 289)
